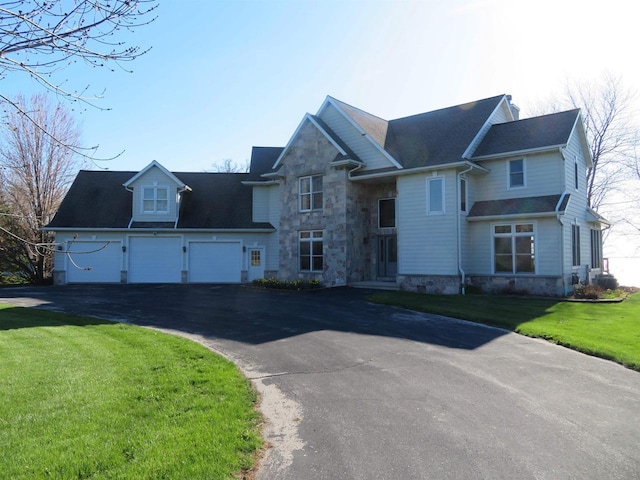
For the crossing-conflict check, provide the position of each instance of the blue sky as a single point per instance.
(223, 76)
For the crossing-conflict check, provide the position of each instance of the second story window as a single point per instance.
(155, 199)
(516, 173)
(310, 192)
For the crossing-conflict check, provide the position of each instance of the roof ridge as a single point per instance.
(356, 108)
(450, 107)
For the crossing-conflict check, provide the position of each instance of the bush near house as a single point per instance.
(606, 330)
(88, 398)
(287, 284)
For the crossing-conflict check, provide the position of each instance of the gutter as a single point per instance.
(460, 269)
(411, 171)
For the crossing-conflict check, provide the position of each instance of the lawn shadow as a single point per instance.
(13, 318)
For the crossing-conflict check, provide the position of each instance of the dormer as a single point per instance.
(156, 196)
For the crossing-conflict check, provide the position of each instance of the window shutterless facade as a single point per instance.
(387, 213)
(310, 248)
(596, 249)
(435, 196)
(310, 193)
(155, 199)
(516, 173)
(575, 244)
(514, 248)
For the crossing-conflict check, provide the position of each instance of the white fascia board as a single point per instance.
(467, 152)
(362, 132)
(163, 230)
(579, 126)
(514, 216)
(309, 118)
(411, 171)
(154, 163)
(520, 153)
(258, 183)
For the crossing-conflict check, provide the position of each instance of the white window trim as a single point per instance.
(524, 174)
(466, 196)
(311, 192)
(311, 240)
(435, 212)
(155, 189)
(513, 235)
(395, 208)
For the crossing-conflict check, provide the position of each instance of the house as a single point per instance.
(465, 195)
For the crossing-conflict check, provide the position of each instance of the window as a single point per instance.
(310, 190)
(155, 199)
(516, 173)
(463, 195)
(311, 257)
(387, 213)
(255, 258)
(596, 249)
(435, 196)
(575, 244)
(514, 248)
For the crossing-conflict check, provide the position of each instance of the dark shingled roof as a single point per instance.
(262, 160)
(530, 133)
(376, 127)
(97, 199)
(518, 206)
(438, 137)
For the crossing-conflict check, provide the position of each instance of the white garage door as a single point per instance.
(215, 262)
(155, 260)
(94, 262)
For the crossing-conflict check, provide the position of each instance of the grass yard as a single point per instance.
(607, 330)
(86, 398)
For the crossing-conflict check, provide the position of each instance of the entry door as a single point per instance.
(387, 256)
(256, 264)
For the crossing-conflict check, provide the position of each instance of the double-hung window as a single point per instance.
(596, 248)
(155, 199)
(575, 244)
(310, 247)
(516, 173)
(310, 193)
(514, 248)
(435, 196)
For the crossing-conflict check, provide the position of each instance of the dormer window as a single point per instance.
(155, 199)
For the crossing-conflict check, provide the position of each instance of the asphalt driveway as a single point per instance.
(354, 390)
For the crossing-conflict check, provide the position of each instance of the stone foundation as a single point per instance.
(522, 285)
(59, 277)
(439, 284)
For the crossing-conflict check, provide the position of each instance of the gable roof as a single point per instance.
(376, 127)
(534, 133)
(262, 160)
(546, 204)
(155, 164)
(439, 137)
(215, 201)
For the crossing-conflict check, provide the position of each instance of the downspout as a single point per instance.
(460, 269)
(562, 262)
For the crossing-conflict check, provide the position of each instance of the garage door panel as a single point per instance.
(94, 262)
(215, 262)
(155, 260)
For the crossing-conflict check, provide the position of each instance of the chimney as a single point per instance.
(515, 110)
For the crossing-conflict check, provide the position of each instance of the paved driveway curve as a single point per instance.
(363, 391)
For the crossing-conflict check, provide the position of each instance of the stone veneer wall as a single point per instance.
(438, 284)
(526, 285)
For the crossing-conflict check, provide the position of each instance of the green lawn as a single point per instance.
(607, 330)
(86, 398)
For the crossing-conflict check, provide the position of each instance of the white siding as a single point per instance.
(544, 175)
(427, 244)
(147, 179)
(360, 145)
(261, 203)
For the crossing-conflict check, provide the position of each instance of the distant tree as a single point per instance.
(41, 37)
(35, 172)
(607, 111)
(229, 166)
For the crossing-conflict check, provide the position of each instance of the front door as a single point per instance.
(387, 256)
(256, 264)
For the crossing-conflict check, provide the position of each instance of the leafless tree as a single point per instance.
(607, 111)
(39, 38)
(229, 166)
(35, 172)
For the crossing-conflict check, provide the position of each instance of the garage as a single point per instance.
(215, 262)
(94, 262)
(155, 259)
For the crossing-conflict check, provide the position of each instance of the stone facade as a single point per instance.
(525, 285)
(437, 284)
